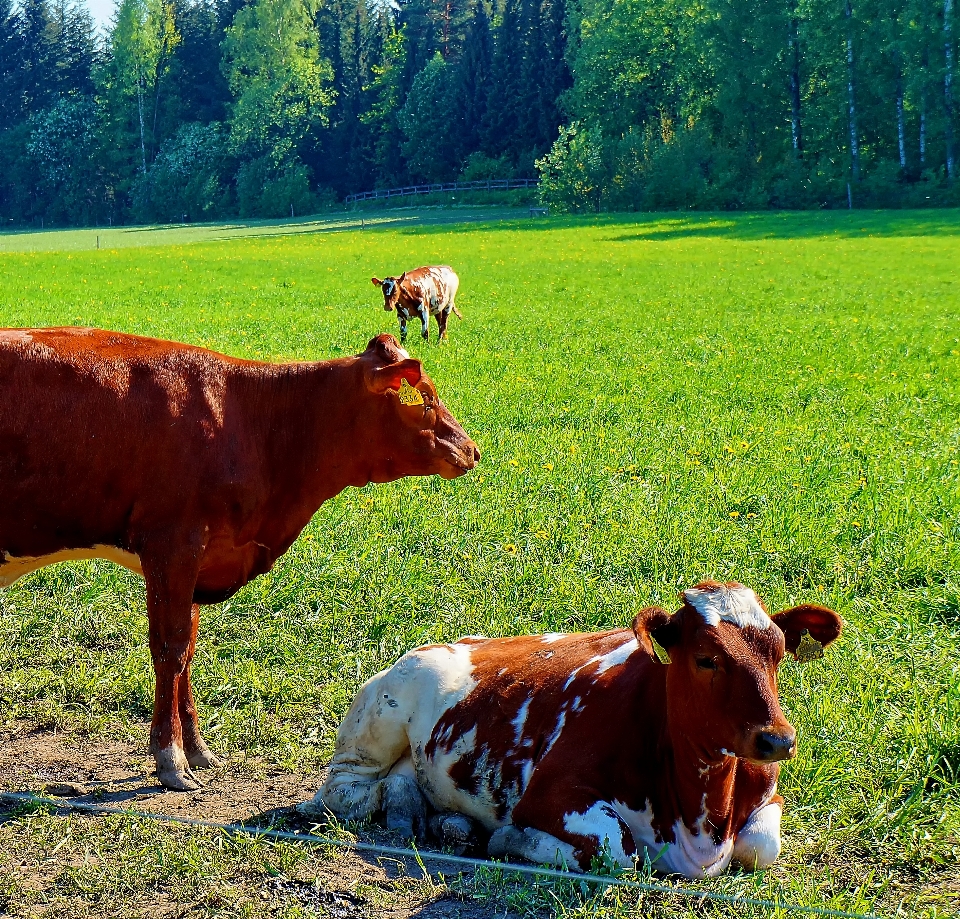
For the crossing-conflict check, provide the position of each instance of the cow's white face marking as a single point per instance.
(388, 286)
(13, 568)
(737, 605)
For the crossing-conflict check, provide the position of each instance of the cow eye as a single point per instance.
(706, 663)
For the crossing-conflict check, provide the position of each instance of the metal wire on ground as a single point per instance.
(238, 829)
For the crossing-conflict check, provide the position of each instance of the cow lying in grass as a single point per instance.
(571, 747)
(426, 291)
(195, 470)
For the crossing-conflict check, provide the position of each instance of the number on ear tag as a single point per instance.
(408, 395)
(809, 648)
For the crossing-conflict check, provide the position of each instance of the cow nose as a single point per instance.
(772, 746)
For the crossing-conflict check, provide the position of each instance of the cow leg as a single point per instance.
(758, 844)
(578, 838)
(533, 846)
(170, 582)
(442, 318)
(453, 831)
(198, 753)
(425, 322)
(403, 328)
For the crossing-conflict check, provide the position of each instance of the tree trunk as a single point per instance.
(948, 82)
(854, 145)
(143, 146)
(794, 45)
(901, 136)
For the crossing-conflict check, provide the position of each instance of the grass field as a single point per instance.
(773, 399)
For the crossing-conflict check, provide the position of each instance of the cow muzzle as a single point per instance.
(773, 745)
(462, 462)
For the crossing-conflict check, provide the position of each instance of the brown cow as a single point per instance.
(195, 470)
(426, 291)
(569, 747)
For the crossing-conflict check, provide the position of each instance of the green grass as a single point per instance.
(772, 398)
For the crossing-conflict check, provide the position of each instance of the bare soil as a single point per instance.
(120, 774)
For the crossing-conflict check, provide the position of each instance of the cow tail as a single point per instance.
(456, 312)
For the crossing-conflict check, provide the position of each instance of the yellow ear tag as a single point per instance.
(660, 651)
(408, 395)
(809, 648)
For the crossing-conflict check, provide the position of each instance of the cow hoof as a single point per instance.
(453, 831)
(174, 772)
(203, 758)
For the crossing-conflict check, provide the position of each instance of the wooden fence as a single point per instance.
(481, 185)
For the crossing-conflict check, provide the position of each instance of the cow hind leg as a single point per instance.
(197, 752)
(442, 318)
(456, 832)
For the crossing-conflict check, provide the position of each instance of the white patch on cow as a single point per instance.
(758, 844)
(521, 720)
(693, 852)
(615, 657)
(13, 568)
(737, 605)
(577, 705)
(557, 731)
(601, 822)
(404, 353)
(551, 637)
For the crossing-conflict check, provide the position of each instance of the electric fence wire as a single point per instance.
(238, 829)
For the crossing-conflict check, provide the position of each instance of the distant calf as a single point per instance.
(196, 470)
(569, 747)
(426, 291)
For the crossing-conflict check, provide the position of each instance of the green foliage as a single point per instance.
(572, 173)
(188, 179)
(426, 119)
(273, 65)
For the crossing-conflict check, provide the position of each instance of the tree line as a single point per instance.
(201, 109)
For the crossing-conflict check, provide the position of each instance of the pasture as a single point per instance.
(773, 399)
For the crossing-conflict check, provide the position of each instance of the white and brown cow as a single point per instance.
(426, 291)
(569, 747)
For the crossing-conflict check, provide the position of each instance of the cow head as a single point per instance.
(390, 288)
(722, 677)
(409, 433)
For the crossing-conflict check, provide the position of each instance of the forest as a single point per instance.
(203, 109)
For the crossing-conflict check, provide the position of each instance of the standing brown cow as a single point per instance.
(426, 291)
(195, 470)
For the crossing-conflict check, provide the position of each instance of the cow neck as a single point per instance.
(698, 780)
(314, 436)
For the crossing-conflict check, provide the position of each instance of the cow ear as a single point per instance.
(376, 282)
(402, 276)
(654, 624)
(392, 376)
(822, 624)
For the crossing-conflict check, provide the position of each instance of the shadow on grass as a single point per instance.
(746, 227)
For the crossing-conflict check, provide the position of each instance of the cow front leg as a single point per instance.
(403, 328)
(170, 578)
(758, 844)
(577, 838)
(424, 322)
(197, 752)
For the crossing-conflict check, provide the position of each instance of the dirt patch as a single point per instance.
(120, 774)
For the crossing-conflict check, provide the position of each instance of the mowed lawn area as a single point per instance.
(768, 398)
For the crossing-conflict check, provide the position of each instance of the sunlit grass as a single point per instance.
(769, 399)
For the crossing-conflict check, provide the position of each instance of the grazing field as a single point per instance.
(773, 399)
